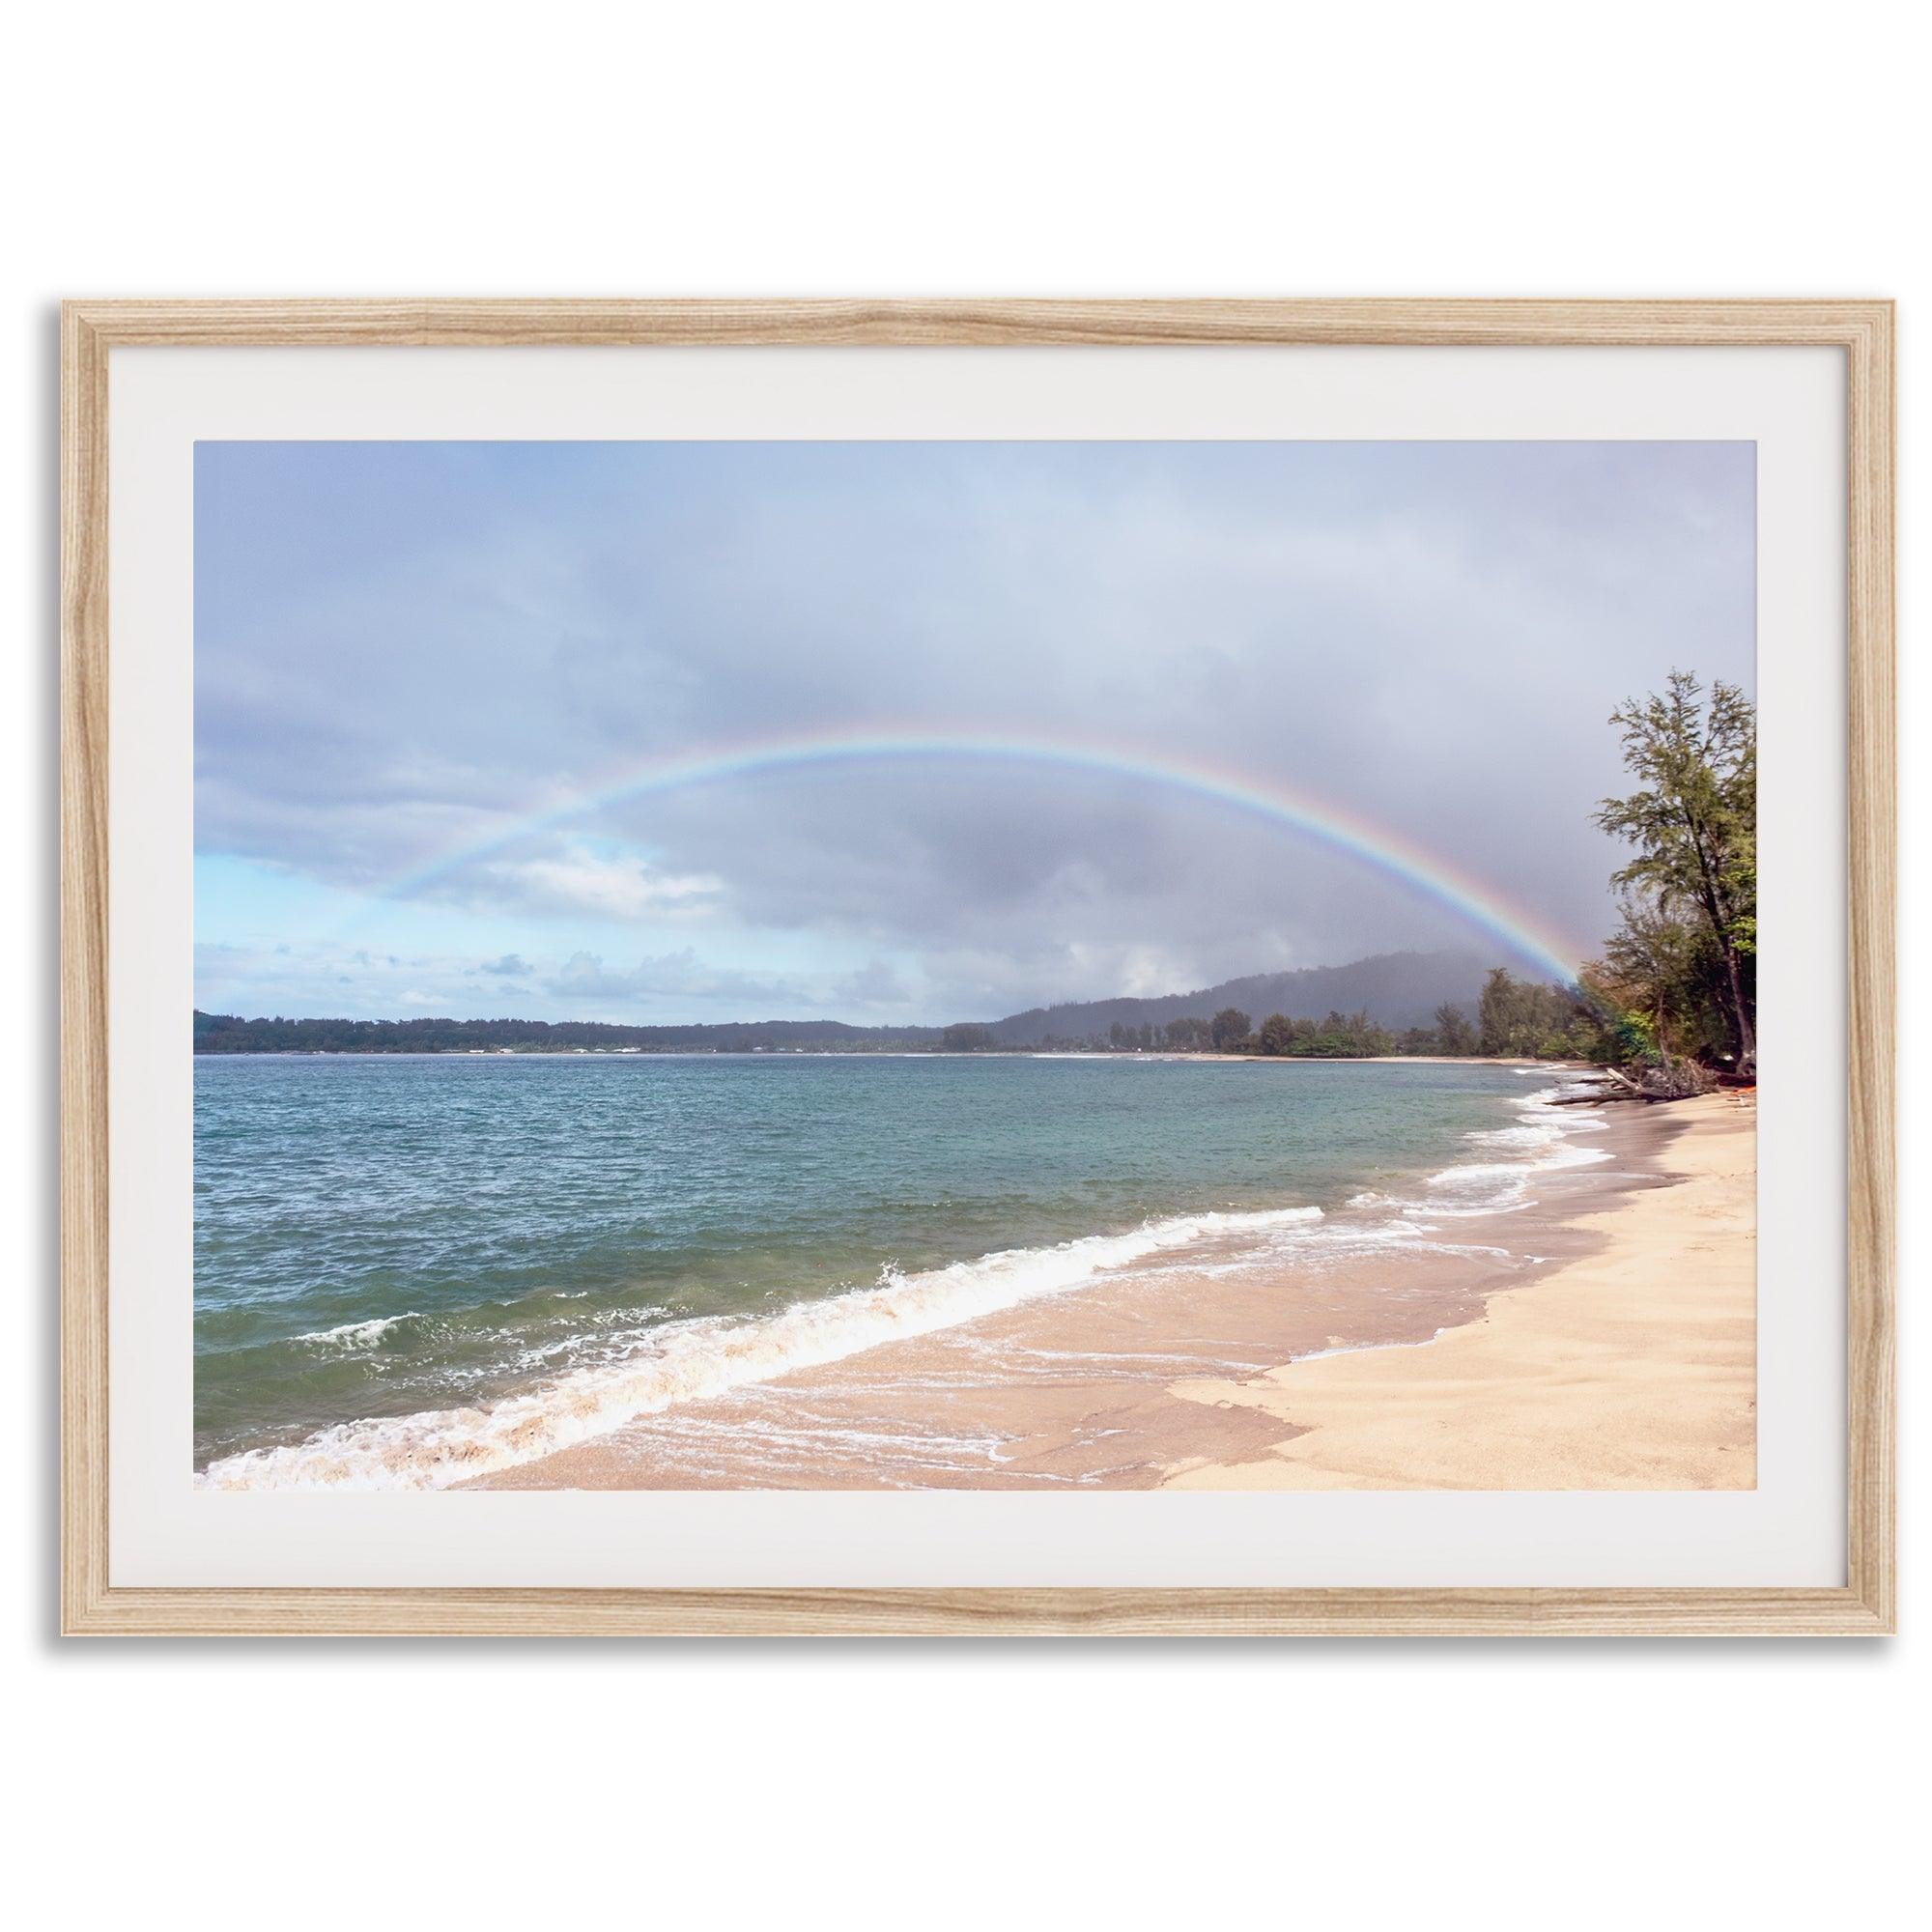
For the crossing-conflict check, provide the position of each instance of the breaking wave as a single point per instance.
(656, 1368)
(1541, 1142)
(351, 1336)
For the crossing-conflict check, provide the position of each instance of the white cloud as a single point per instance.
(583, 881)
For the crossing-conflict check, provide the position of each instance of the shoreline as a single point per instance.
(1297, 1345)
(1361, 1059)
(1166, 1374)
(1631, 1368)
(880, 1053)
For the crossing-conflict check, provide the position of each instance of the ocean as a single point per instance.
(413, 1270)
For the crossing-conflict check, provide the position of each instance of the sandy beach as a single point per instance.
(1602, 1338)
(1632, 1368)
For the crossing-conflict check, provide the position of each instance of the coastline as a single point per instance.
(872, 1053)
(1593, 1366)
(1568, 1303)
(1363, 1058)
(1631, 1368)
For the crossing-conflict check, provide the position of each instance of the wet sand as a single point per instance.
(1171, 1372)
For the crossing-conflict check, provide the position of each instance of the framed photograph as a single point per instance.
(977, 967)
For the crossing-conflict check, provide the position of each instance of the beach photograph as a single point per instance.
(1044, 967)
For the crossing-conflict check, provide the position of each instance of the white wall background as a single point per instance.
(836, 149)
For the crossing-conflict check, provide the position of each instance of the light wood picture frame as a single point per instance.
(93, 1605)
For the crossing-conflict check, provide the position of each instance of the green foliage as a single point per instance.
(1632, 1039)
(1552, 1021)
(1688, 946)
(1227, 1029)
(224, 1032)
(1662, 983)
(1338, 1037)
(1277, 1033)
(1523, 1019)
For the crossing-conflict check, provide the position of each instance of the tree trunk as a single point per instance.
(1716, 913)
(1741, 1015)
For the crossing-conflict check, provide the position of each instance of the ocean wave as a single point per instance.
(1540, 1142)
(348, 1337)
(702, 1357)
(1542, 1139)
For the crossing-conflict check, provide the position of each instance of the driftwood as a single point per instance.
(1607, 1085)
(1680, 1080)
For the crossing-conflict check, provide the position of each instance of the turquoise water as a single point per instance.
(384, 1237)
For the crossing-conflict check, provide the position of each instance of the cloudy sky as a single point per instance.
(435, 681)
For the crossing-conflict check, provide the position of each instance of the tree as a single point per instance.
(1647, 961)
(1277, 1033)
(1660, 984)
(1523, 1018)
(1228, 1028)
(966, 1039)
(1694, 825)
(1497, 1012)
(1453, 1031)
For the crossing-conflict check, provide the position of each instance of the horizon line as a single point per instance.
(859, 1026)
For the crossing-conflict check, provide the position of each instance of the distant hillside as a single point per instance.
(223, 1033)
(1397, 989)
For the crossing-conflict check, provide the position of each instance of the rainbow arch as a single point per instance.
(1428, 874)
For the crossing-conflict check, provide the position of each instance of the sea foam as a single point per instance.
(661, 1367)
(1541, 1140)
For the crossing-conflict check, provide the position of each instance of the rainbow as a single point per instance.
(1427, 874)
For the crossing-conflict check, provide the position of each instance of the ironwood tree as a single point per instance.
(1692, 824)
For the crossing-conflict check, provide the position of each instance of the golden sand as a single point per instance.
(1634, 1368)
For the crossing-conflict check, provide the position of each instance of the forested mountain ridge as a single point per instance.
(1395, 989)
